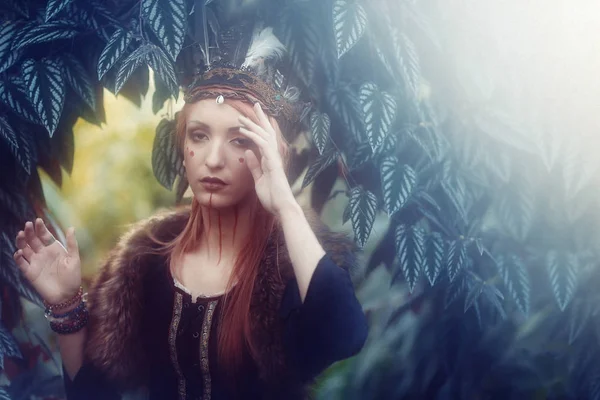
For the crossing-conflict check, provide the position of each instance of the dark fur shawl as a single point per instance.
(116, 298)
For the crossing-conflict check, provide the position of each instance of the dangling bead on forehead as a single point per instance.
(220, 99)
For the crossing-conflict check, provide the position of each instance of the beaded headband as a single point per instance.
(242, 84)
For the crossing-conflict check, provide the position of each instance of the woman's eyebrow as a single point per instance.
(199, 124)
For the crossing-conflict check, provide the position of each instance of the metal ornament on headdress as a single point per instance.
(220, 99)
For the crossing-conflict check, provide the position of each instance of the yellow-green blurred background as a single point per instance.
(112, 184)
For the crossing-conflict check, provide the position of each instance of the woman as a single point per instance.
(237, 296)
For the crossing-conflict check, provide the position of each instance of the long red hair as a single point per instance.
(235, 328)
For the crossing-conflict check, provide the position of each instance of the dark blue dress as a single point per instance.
(329, 326)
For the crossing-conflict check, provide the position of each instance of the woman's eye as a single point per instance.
(242, 142)
(198, 136)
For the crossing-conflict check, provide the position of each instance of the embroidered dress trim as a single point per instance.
(173, 344)
(204, 364)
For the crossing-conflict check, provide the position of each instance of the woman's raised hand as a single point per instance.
(54, 272)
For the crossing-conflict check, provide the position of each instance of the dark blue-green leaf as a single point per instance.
(163, 68)
(166, 158)
(363, 206)
(300, 35)
(130, 65)
(397, 182)
(562, 272)
(579, 316)
(457, 258)
(349, 24)
(79, 80)
(318, 166)
(346, 106)
(319, 127)
(8, 136)
(48, 32)
(410, 248)
(8, 56)
(167, 19)
(14, 95)
(515, 275)
(45, 83)
(54, 7)
(435, 255)
(114, 50)
(379, 112)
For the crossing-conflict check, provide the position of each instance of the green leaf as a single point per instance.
(435, 255)
(515, 275)
(319, 127)
(562, 272)
(360, 155)
(78, 78)
(166, 158)
(457, 258)
(46, 88)
(114, 50)
(410, 247)
(349, 24)
(397, 182)
(167, 19)
(580, 168)
(48, 32)
(379, 111)
(363, 207)
(504, 129)
(319, 165)
(8, 56)
(54, 7)
(14, 95)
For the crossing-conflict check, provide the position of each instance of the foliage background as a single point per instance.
(479, 214)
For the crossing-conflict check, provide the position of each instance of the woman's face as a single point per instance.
(214, 149)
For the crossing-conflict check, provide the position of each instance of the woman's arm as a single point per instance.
(303, 246)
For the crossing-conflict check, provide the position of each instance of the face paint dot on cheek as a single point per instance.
(192, 153)
(241, 160)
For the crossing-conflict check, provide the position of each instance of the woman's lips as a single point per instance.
(212, 185)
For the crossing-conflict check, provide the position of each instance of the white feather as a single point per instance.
(264, 46)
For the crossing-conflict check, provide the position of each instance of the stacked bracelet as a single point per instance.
(71, 321)
(65, 304)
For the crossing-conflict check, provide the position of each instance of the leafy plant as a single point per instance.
(494, 268)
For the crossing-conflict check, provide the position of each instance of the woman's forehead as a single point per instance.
(211, 114)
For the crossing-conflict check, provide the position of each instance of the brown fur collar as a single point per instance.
(116, 297)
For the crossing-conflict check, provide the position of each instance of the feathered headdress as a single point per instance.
(253, 75)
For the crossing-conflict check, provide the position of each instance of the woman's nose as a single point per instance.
(215, 158)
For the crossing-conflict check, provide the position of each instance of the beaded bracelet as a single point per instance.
(65, 304)
(52, 316)
(72, 324)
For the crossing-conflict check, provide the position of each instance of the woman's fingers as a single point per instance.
(256, 138)
(251, 125)
(43, 233)
(32, 240)
(22, 263)
(26, 251)
(72, 246)
(264, 120)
